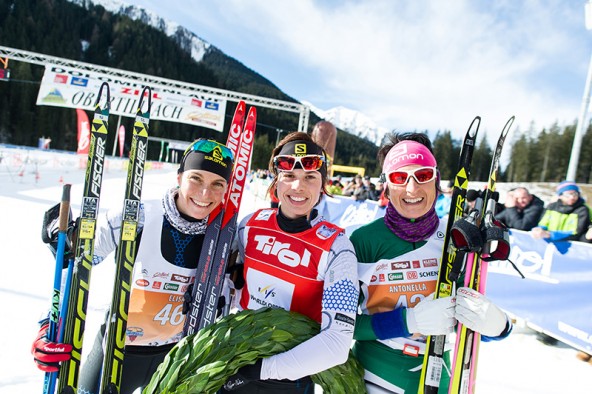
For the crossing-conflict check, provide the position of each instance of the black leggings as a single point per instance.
(138, 368)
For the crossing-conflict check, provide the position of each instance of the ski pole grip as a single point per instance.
(64, 208)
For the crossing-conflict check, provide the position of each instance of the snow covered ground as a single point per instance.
(519, 364)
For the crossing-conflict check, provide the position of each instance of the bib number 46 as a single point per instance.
(168, 314)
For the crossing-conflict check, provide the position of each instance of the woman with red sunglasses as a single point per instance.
(294, 259)
(399, 256)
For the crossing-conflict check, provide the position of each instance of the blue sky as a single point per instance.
(409, 65)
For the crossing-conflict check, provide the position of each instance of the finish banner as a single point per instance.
(72, 88)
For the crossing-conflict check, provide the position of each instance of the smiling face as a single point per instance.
(298, 192)
(199, 192)
(523, 198)
(412, 200)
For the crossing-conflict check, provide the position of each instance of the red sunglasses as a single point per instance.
(308, 163)
(421, 175)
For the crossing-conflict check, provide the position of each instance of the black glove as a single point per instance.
(49, 232)
(188, 300)
(244, 376)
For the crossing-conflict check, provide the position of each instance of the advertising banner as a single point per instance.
(68, 87)
(555, 294)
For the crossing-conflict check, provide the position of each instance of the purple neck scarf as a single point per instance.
(411, 230)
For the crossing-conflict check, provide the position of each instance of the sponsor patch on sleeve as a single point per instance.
(344, 319)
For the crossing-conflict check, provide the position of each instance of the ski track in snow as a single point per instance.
(519, 364)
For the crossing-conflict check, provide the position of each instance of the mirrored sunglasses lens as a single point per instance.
(398, 177)
(285, 163)
(424, 175)
(311, 163)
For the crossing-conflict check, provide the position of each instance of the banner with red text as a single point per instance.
(63, 86)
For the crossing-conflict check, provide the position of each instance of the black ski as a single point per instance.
(237, 185)
(467, 341)
(433, 361)
(212, 263)
(126, 250)
(80, 283)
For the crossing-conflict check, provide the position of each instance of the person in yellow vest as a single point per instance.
(566, 219)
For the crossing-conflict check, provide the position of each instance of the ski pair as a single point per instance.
(79, 284)
(466, 348)
(211, 268)
(451, 266)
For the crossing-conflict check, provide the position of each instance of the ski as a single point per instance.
(80, 282)
(54, 315)
(229, 220)
(467, 341)
(126, 250)
(433, 362)
(214, 229)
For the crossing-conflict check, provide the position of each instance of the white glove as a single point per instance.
(432, 316)
(479, 314)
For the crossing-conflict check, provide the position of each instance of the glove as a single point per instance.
(479, 314)
(49, 232)
(47, 354)
(432, 316)
(244, 376)
(188, 300)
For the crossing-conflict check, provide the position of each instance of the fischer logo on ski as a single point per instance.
(467, 341)
(433, 362)
(80, 281)
(126, 251)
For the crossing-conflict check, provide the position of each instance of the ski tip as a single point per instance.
(508, 125)
(474, 127)
(106, 94)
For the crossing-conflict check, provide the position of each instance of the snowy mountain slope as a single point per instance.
(186, 39)
(352, 121)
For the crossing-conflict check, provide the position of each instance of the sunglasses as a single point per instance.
(421, 175)
(308, 162)
(209, 146)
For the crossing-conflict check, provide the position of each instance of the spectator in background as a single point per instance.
(360, 190)
(444, 200)
(382, 198)
(522, 210)
(373, 194)
(349, 187)
(337, 182)
(566, 219)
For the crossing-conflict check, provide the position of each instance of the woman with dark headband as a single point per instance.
(170, 237)
(293, 259)
(399, 256)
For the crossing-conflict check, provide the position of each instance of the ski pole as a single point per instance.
(50, 377)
